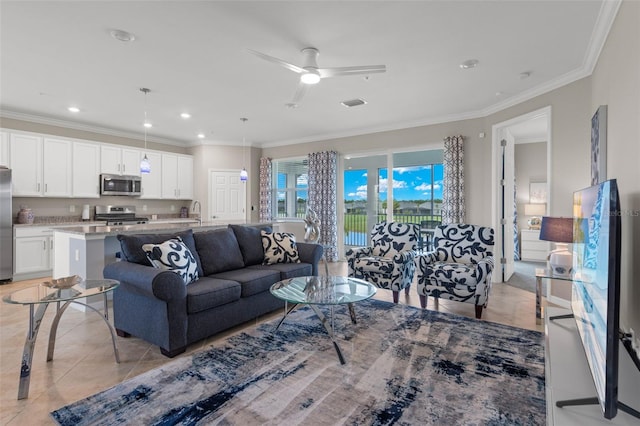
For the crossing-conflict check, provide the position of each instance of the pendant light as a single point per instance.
(145, 165)
(243, 173)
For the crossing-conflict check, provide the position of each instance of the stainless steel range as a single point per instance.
(119, 215)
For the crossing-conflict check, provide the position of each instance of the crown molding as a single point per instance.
(75, 125)
(606, 17)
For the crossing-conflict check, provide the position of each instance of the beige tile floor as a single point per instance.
(84, 362)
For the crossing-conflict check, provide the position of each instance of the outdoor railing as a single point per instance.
(355, 225)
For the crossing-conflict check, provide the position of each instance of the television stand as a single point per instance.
(568, 378)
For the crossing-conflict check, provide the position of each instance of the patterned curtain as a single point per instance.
(323, 194)
(453, 208)
(265, 190)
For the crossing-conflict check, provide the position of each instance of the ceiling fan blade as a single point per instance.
(340, 71)
(301, 90)
(280, 62)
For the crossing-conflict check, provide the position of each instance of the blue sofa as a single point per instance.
(156, 305)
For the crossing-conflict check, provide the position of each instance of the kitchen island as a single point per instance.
(85, 250)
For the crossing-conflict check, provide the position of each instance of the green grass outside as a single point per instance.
(358, 222)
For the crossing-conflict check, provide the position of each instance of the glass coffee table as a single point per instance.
(65, 290)
(323, 290)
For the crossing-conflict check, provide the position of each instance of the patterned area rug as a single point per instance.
(404, 365)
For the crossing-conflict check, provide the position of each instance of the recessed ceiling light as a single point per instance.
(121, 35)
(499, 93)
(525, 74)
(469, 63)
(147, 124)
(201, 135)
(291, 105)
(73, 109)
(185, 115)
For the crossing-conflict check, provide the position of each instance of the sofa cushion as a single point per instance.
(279, 247)
(218, 250)
(287, 270)
(207, 293)
(131, 246)
(173, 255)
(252, 281)
(250, 242)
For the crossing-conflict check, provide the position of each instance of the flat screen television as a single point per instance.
(595, 301)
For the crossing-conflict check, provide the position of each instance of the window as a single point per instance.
(290, 179)
(417, 192)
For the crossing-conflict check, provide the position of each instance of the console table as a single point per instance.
(540, 275)
(568, 377)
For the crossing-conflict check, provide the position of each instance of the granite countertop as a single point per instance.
(151, 227)
(97, 223)
(59, 224)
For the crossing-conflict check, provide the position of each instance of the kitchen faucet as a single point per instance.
(193, 209)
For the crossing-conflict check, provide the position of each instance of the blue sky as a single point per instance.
(409, 183)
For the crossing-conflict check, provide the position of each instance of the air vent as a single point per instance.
(353, 102)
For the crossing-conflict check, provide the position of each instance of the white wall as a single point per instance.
(616, 83)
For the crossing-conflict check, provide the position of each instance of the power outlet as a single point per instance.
(173, 208)
(72, 208)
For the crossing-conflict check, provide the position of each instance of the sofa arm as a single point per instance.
(310, 253)
(165, 285)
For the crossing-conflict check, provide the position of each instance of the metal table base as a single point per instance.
(35, 319)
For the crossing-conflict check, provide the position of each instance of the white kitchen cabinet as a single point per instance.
(152, 182)
(56, 167)
(33, 252)
(185, 177)
(119, 161)
(531, 248)
(41, 166)
(26, 164)
(86, 170)
(177, 177)
(4, 149)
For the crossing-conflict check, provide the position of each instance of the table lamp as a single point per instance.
(560, 231)
(535, 211)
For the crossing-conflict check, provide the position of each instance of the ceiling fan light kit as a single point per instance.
(311, 73)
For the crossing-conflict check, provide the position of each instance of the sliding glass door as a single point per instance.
(411, 194)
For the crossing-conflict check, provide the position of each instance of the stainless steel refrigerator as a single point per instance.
(6, 226)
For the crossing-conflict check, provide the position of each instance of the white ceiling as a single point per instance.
(193, 57)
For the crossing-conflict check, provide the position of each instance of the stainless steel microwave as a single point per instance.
(120, 185)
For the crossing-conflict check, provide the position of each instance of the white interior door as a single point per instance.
(227, 196)
(508, 205)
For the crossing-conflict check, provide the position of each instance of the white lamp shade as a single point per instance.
(535, 209)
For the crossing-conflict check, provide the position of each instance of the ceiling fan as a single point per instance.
(310, 73)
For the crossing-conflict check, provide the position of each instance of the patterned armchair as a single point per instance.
(389, 262)
(460, 266)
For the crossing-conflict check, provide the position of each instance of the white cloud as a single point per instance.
(427, 187)
(397, 184)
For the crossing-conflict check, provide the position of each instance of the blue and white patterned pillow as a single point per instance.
(173, 255)
(279, 247)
